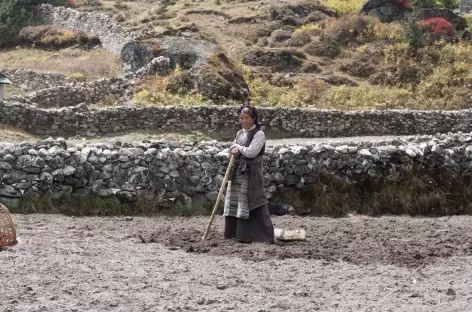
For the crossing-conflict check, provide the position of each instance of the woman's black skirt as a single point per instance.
(257, 228)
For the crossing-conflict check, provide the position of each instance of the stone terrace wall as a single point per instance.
(296, 122)
(74, 93)
(33, 81)
(191, 174)
(466, 6)
(110, 33)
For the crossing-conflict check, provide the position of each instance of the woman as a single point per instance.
(246, 213)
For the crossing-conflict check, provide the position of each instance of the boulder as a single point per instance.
(179, 51)
(369, 5)
(219, 78)
(135, 56)
(204, 67)
(387, 13)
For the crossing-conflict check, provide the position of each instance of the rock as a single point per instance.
(9, 157)
(68, 171)
(410, 153)
(14, 176)
(365, 152)
(5, 165)
(352, 149)
(9, 192)
(450, 292)
(157, 66)
(38, 162)
(372, 4)
(46, 177)
(342, 149)
(204, 66)
(219, 78)
(135, 56)
(212, 196)
(387, 14)
(24, 161)
(125, 196)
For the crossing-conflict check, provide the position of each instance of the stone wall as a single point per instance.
(30, 80)
(466, 6)
(110, 33)
(74, 93)
(296, 122)
(170, 171)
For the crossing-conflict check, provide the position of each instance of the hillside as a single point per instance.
(275, 53)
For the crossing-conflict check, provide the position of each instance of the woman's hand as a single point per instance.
(234, 149)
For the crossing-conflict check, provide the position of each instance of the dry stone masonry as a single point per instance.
(191, 174)
(74, 93)
(30, 80)
(466, 6)
(110, 33)
(295, 122)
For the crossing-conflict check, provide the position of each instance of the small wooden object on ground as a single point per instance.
(7, 228)
(289, 235)
(220, 194)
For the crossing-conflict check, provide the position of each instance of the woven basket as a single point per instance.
(7, 228)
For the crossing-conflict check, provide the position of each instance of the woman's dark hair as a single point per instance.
(251, 111)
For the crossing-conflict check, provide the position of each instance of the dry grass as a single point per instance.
(415, 194)
(13, 134)
(92, 64)
(409, 74)
(344, 6)
(163, 15)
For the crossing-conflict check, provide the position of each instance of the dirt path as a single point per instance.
(351, 264)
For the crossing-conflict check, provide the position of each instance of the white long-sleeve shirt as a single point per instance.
(256, 145)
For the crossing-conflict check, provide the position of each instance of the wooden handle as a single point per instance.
(220, 194)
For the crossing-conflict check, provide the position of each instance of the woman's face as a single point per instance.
(246, 121)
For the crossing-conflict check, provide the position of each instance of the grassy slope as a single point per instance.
(412, 73)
